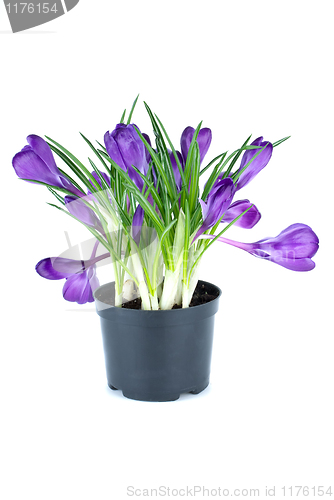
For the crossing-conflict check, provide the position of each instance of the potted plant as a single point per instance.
(143, 206)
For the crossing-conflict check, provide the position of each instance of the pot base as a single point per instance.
(161, 397)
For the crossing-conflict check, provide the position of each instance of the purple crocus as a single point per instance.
(126, 148)
(248, 220)
(218, 201)
(81, 279)
(257, 164)
(293, 248)
(203, 140)
(36, 162)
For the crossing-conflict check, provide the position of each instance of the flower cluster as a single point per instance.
(146, 209)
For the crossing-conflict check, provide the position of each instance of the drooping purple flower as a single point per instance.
(293, 248)
(126, 148)
(80, 287)
(248, 220)
(78, 208)
(257, 164)
(36, 162)
(80, 275)
(203, 140)
(218, 201)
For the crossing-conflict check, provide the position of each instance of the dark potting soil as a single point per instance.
(202, 295)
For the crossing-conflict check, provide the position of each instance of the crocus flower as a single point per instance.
(218, 201)
(203, 140)
(81, 211)
(293, 248)
(126, 148)
(81, 279)
(36, 162)
(248, 220)
(257, 164)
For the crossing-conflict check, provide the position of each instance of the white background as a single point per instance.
(261, 67)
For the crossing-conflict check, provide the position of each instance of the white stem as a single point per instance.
(145, 296)
(154, 302)
(185, 295)
(178, 296)
(143, 290)
(169, 290)
(170, 286)
(188, 292)
(118, 298)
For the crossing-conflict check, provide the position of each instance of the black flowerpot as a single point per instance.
(157, 355)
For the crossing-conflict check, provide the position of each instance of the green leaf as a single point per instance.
(71, 165)
(157, 163)
(96, 152)
(162, 149)
(186, 240)
(77, 162)
(174, 153)
(56, 188)
(194, 179)
(132, 110)
(237, 156)
(123, 116)
(211, 163)
(151, 190)
(131, 186)
(277, 143)
(59, 198)
(218, 236)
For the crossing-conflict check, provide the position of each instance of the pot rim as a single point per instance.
(105, 305)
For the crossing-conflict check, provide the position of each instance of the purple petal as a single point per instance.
(147, 153)
(177, 175)
(257, 164)
(79, 287)
(297, 241)
(113, 150)
(57, 268)
(217, 204)
(131, 147)
(203, 139)
(137, 224)
(43, 150)
(28, 165)
(248, 220)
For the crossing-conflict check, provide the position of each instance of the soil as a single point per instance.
(201, 295)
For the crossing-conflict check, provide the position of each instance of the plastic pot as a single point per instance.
(157, 355)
